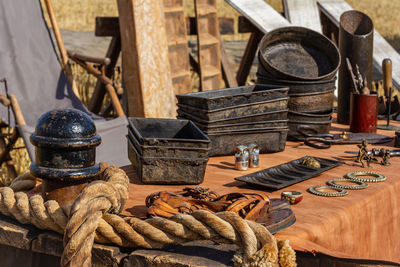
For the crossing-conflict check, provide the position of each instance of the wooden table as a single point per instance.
(323, 224)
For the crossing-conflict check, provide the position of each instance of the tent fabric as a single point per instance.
(29, 62)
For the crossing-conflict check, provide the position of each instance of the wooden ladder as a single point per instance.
(178, 52)
(208, 37)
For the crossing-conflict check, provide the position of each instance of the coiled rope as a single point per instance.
(93, 217)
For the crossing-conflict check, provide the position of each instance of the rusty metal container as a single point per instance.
(65, 153)
(309, 116)
(167, 170)
(356, 43)
(363, 113)
(167, 132)
(296, 87)
(167, 151)
(259, 117)
(320, 127)
(241, 126)
(239, 110)
(269, 140)
(232, 97)
(311, 102)
(297, 53)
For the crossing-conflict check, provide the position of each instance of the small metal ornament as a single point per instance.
(242, 154)
(385, 158)
(340, 192)
(254, 155)
(359, 184)
(311, 162)
(293, 197)
(358, 176)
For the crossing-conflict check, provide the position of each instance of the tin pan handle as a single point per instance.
(319, 142)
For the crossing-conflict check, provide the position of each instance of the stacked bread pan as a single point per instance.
(306, 62)
(239, 116)
(167, 151)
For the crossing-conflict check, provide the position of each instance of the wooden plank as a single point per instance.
(303, 13)
(259, 13)
(332, 9)
(248, 57)
(193, 254)
(227, 72)
(109, 26)
(245, 26)
(208, 41)
(178, 51)
(226, 25)
(146, 73)
(16, 235)
(51, 244)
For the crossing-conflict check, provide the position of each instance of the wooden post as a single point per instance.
(61, 47)
(303, 13)
(146, 71)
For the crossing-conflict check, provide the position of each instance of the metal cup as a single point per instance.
(254, 155)
(241, 158)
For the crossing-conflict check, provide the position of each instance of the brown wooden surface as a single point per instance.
(227, 72)
(148, 85)
(178, 51)
(208, 40)
(248, 57)
(220, 176)
(45, 247)
(109, 26)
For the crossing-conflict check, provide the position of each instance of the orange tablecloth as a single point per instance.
(364, 224)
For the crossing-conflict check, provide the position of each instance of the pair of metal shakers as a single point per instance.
(246, 156)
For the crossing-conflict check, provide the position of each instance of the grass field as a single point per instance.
(79, 15)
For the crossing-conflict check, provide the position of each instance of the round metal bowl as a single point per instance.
(297, 53)
(311, 102)
(308, 116)
(320, 127)
(298, 87)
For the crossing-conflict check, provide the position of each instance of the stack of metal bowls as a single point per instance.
(306, 62)
(239, 116)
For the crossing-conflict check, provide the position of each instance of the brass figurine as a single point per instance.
(363, 151)
(343, 135)
(385, 158)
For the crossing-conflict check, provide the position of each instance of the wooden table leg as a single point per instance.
(248, 57)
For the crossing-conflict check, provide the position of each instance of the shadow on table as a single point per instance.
(139, 211)
(223, 165)
(246, 186)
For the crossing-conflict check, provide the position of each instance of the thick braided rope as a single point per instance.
(91, 219)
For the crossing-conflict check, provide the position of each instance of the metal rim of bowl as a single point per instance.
(323, 38)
